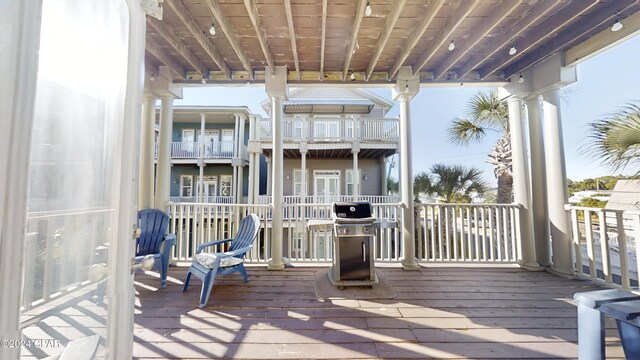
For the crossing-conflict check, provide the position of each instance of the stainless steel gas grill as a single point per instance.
(354, 231)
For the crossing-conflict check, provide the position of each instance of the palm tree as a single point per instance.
(455, 183)
(422, 185)
(487, 112)
(616, 138)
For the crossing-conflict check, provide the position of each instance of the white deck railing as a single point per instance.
(604, 245)
(60, 248)
(468, 233)
(291, 199)
(445, 233)
(203, 199)
(333, 129)
(192, 150)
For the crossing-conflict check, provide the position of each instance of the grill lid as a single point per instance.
(351, 210)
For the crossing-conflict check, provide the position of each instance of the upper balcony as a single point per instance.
(334, 130)
(219, 151)
(380, 135)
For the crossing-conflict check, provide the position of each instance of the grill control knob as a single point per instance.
(366, 229)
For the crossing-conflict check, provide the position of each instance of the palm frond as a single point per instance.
(489, 110)
(463, 131)
(615, 140)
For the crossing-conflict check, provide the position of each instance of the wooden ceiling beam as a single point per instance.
(196, 31)
(323, 38)
(252, 10)
(549, 26)
(180, 47)
(229, 33)
(412, 41)
(507, 36)
(355, 30)
(385, 34)
(292, 34)
(476, 36)
(161, 54)
(458, 16)
(608, 11)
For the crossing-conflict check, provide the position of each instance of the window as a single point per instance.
(297, 128)
(299, 186)
(349, 126)
(227, 143)
(352, 181)
(186, 185)
(225, 185)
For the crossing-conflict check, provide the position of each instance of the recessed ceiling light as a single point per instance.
(452, 45)
(617, 26)
(353, 76)
(520, 79)
(212, 29)
(367, 9)
(513, 50)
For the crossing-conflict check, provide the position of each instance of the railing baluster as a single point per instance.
(622, 251)
(575, 229)
(588, 227)
(604, 247)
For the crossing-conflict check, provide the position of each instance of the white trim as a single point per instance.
(183, 179)
(230, 186)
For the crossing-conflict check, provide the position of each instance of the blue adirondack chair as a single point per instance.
(206, 266)
(154, 240)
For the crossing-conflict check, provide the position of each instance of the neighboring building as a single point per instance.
(625, 196)
(209, 154)
(336, 143)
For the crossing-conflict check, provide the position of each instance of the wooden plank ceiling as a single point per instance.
(335, 41)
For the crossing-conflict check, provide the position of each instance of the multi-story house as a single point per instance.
(336, 144)
(209, 154)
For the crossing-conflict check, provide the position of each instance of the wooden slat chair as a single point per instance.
(206, 266)
(154, 240)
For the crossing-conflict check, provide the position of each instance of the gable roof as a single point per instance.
(333, 96)
(625, 196)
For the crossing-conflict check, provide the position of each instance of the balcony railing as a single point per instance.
(469, 233)
(604, 245)
(333, 129)
(374, 199)
(194, 150)
(203, 199)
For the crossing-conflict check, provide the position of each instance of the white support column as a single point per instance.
(356, 173)
(251, 189)
(538, 182)
(163, 178)
(407, 86)
(521, 189)
(276, 87)
(256, 177)
(234, 184)
(560, 227)
(269, 176)
(240, 188)
(383, 171)
(147, 151)
(303, 169)
(200, 194)
(236, 133)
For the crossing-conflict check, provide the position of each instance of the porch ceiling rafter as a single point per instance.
(572, 35)
(292, 36)
(180, 47)
(542, 30)
(415, 36)
(506, 37)
(459, 15)
(198, 34)
(389, 25)
(252, 10)
(475, 37)
(323, 38)
(229, 33)
(355, 30)
(159, 53)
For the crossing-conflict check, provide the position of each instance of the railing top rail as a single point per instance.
(266, 206)
(512, 205)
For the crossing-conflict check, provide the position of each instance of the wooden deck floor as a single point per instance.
(439, 312)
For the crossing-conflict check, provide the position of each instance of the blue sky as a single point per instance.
(605, 82)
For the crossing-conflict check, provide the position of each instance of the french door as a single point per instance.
(79, 186)
(326, 185)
